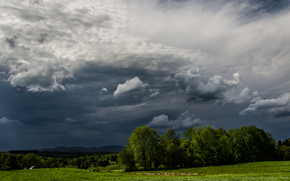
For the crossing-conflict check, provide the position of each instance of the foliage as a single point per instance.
(199, 147)
(148, 150)
(283, 150)
(126, 157)
(143, 142)
(10, 161)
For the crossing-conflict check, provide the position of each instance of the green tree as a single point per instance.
(29, 160)
(173, 153)
(283, 149)
(250, 143)
(143, 142)
(207, 146)
(9, 161)
(126, 157)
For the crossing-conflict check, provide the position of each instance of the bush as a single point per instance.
(113, 167)
(97, 169)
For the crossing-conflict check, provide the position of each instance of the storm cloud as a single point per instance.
(77, 73)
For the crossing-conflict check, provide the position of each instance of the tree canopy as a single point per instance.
(198, 147)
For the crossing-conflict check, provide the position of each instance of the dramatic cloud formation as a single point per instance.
(6, 121)
(134, 84)
(277, 107)
(185, 120)
(72, 70)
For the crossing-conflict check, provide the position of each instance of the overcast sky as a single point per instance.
(86, 73)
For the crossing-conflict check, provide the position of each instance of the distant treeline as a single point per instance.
(10, 161)
(60, 154)
(148, 150)
(200, 147)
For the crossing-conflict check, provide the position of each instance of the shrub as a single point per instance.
(97, 169)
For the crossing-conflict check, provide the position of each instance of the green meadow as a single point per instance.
(274, 170)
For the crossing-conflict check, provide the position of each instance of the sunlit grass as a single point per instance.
(276, 170)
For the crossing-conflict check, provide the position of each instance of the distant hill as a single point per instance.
(109, 148)
(72, 150)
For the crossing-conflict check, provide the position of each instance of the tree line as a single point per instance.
(200, 147)
(146, 149)
(10, 161)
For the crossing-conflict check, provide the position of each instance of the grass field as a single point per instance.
(249, 171)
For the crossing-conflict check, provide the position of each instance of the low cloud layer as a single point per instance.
(134, 84)
(278, 107)
(185, 120)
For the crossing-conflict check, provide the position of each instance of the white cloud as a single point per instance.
(134, 84)
(104, 90)
(154, 92)
(6, 121)
(185, 120)
(39, 76)
(277, 107)
(70, 120)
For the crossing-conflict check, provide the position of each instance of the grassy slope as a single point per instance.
(247, 171)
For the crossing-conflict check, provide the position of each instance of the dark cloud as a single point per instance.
(42, 37)
(33, 2)
(12, 41)
(58, 78)
(217, 88)
(4, 69)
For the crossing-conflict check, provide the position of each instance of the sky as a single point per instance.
(87, 73)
